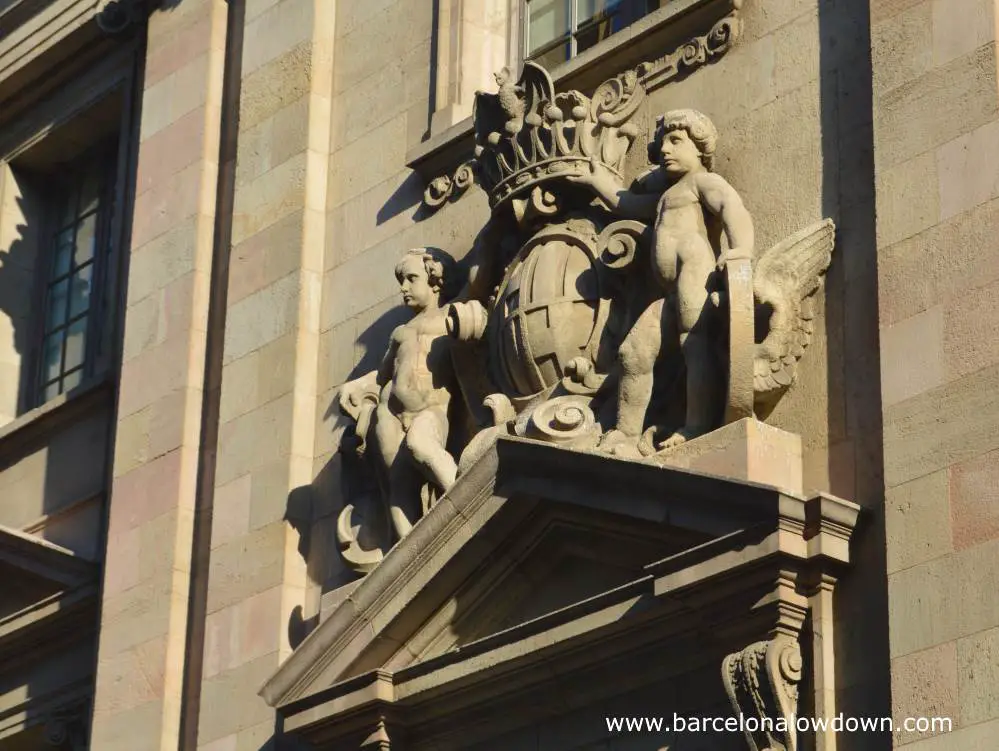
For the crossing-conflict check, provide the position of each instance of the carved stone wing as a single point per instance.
(785, 280)
(537, 85)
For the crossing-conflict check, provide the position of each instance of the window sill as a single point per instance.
(649, 38)
(42, 421)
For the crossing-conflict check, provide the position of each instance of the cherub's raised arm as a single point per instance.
(722, 200)
(633, 205)
(608, 187)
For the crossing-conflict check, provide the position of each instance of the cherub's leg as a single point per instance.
(425, 439)
(692, 299)
(637, 358)
(393, 477)
(389, 432)
(404, 496)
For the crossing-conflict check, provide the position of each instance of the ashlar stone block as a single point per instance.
(978, 676)
(902, 47)
(746, 450)
(925, 684)
(917, 438)
(913, 360)
(968, 170)
(918, 521)
(975, 500)
(947, 102)
(943, 262)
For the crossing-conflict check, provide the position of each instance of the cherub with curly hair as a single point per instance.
(691, 206)
(413, 381)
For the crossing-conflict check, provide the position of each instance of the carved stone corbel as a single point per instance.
(66, 727)
(762, 683)
(115, 16)
(379, 739)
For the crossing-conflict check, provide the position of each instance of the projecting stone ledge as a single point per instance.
(549, 574)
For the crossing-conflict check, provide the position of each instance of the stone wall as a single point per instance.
(257, 575)
(145, 598)
(936, 156)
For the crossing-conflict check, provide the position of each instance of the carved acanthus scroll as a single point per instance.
(695, 53)
(762, 683)
(452, 186)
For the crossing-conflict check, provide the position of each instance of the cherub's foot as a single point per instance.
(618, 443)
(680, 437)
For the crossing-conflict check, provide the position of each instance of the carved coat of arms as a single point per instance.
(600, 313)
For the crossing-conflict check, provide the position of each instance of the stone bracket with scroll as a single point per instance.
(762, 684)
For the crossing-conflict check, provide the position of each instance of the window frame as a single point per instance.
(117, 74)
(106, 256)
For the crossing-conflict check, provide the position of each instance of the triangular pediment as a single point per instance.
(530, 530)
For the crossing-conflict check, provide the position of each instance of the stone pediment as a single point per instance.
(540, 552)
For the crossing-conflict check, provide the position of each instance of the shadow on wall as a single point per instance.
(312, 510)
(854, 463)
(405, 197)
(347, 478)
(17, 274)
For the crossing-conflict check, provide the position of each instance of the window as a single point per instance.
(557, 30)
(63, 174)
(77, 239)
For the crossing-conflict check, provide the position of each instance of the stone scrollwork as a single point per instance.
(448, 187)
(762, 684)
(695, 53)
(618, 244)
(565, 420)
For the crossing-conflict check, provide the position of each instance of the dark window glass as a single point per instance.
(557, 30)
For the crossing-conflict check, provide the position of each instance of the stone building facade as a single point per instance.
(203, 205)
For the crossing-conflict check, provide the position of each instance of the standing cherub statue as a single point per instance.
(408, 396)
(691, 206)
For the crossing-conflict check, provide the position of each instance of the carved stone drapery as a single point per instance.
(762, 683)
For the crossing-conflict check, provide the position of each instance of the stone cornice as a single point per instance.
(44, 560)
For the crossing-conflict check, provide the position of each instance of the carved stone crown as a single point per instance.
(526, 133)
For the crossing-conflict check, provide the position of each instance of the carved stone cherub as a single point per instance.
(408, 396)
(691, 206)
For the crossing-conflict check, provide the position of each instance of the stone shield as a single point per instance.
(549, 310)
